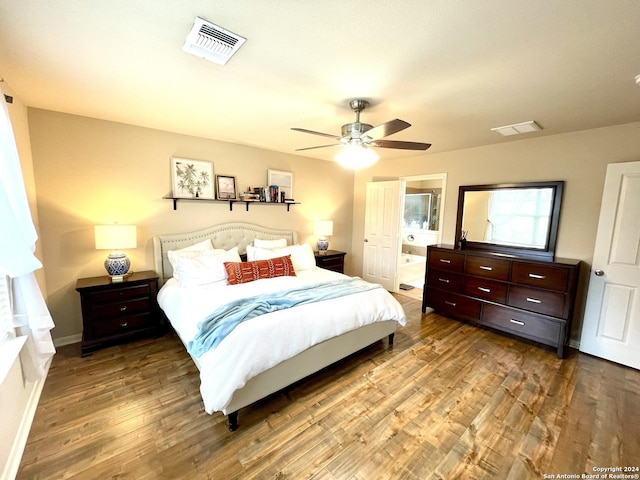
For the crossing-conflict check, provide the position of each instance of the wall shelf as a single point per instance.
(230, 202)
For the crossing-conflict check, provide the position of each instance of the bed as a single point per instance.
(263, 355)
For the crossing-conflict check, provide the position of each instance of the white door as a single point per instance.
(611, 327)
(382, 233)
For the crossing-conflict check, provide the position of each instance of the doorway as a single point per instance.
(422, 207)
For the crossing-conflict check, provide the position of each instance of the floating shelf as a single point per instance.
(230, 202)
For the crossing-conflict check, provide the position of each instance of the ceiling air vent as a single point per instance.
(212, 42)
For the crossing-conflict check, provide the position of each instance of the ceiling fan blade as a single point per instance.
(320, 146)
(400, 144)
(386, 129)
(304, 130)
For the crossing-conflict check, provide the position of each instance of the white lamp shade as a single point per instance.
(323, 228)
(356, 157)
(115, 237)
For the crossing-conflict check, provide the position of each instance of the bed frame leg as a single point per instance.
(391, 336)
(233, 421)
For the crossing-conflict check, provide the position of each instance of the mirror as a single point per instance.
(421, 210)
(519, 218)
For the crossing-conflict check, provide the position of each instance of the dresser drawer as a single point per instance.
(540, 301)
(125, 324)
(453, 304)
(540, 276)
(445, 260)
(119, 309)
(528, 325)
(451, 282)
(487, 289)
(494, 268)
(123, 293)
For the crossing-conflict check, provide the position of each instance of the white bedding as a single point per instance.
(261, 343)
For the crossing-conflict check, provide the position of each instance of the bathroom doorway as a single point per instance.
(423, 205)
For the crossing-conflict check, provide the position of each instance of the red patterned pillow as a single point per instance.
(244, 272)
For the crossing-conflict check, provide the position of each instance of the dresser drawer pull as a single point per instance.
(444, 260)
(533, 300)
(453, 304)
(124, 324)
(443, 280)
(123, 308)
(535, 275)
(484, 267)
(517, 322)
(484, 289)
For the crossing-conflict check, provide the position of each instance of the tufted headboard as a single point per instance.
(226, 235)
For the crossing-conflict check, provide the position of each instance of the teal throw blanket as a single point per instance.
(213, 329)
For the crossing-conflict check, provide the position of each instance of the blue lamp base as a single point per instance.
(117, 265)
(323, 245)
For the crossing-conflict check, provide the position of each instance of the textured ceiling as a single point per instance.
(453, 69)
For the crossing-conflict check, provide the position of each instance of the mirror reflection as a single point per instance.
(517, 217)
(421, 210)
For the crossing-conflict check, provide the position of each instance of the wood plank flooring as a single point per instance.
(447, 401)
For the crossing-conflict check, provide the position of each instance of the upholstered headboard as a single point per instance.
(226, 235)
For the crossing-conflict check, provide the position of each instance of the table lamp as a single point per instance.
(323, 229)
(116, 238)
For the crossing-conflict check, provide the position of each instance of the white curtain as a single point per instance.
(17, 259)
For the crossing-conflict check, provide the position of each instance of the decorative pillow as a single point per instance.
(205, 245)
(203, 267)
(245, 272)
(279, 243)
(302, 256)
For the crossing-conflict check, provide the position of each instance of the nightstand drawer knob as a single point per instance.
(124, 324)
(123, 308)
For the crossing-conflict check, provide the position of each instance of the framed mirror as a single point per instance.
(516, 218)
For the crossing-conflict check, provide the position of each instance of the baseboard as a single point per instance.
(20, 440)
(62, 341)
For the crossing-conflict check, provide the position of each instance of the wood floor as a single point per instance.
(448, 400)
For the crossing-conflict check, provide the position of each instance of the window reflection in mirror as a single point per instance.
(421, 211)
(518, 217)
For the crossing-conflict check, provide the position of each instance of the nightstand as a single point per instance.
(114, 312)
(331, 260)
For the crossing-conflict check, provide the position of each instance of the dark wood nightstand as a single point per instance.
(331, 260)
(113, 312)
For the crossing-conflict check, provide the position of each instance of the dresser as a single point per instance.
(331, 260)
(113, 312)
(533, 299)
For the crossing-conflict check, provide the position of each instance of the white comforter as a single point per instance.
(260, 343)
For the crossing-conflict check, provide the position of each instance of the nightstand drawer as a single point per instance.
(119, 294)
(118, 326)
(331, 260)
(118, 309)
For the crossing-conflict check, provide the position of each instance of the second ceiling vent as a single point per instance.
(212, 42)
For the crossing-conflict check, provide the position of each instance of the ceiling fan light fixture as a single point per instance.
(356, 157)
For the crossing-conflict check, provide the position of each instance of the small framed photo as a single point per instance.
(284, 181)
(191, 178)
(225, 187)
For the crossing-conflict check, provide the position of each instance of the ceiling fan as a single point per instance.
(357, 134)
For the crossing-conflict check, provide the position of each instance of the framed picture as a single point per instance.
(284, 181)
(191, 178)
(225, 187)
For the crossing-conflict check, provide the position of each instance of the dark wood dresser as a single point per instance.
(331, 260)
(113, 312)
(533, 299)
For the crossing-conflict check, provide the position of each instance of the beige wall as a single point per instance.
(578, 158)
(89, 171)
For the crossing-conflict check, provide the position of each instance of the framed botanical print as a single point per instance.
(191, 178)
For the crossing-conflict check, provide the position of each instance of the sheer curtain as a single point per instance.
(31, 316)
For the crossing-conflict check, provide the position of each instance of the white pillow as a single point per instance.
(190, 251)
(302, 256)
(260, 243)
(203, 267)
